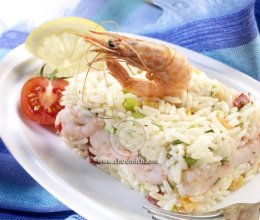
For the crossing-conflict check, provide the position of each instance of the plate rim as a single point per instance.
(19, 54)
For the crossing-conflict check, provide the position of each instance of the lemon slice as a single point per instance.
(56, 44)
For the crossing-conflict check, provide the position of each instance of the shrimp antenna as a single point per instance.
(129, 68)
(100, 59)
(91, 62)
(112, 22)
(78, 72)
(85, 80)
(104, 74)
(97, 25)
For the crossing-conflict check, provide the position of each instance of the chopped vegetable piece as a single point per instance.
(152, 200)
(168, 156)
(237, 183)
(113, 130)
(189, 111)
(190, 161)
(225, 160)
(210, 131)
(58, 128)
(137, 115)
(187, 204)
(196, 71)
(175, 208)
(141, 156)
(168, 147)
(219, 95)
(125, 91)
(176, 142)
(217, 180)
(224, 123)
(241, 101)
(151, 104)
(129, 104)
(159, 126)
(240, 124)
(106, 130)
(171, 185)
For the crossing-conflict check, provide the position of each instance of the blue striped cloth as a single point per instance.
(225, 30)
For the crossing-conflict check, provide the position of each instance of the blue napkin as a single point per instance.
(224, 30)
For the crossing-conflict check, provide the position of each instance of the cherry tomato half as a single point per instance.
(40, 99)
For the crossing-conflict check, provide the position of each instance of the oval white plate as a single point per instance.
(83, 187)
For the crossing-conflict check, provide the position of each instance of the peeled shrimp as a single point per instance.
(247, 153)
(197, 181)
(168, 73)
(76, 126)
(148, 173)
(102, 146)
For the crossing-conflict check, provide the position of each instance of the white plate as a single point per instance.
(83, 187)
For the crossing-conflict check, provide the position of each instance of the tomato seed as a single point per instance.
(39, 89)
(31, 95)
(33, 99)
(49, 109)
(33, 103)
(36, 108)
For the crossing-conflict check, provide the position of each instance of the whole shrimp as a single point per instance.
(168, 73)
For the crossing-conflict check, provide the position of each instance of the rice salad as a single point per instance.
(182, 153)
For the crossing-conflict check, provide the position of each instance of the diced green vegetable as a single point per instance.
(174, 209)
(129, 104)
(110, 130)
(190, 161)
(113, 130)
(137, 115)
(240, 124)
(196, 71)
(106, 130)
(168, 147)
(141, 156)
(210, 131)
(171, 185)
(218, 179)
(168, 156)
(225, 160)
(176, 142)
(125, 91)
(159, 126)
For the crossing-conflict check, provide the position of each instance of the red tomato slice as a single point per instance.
(40, 99)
